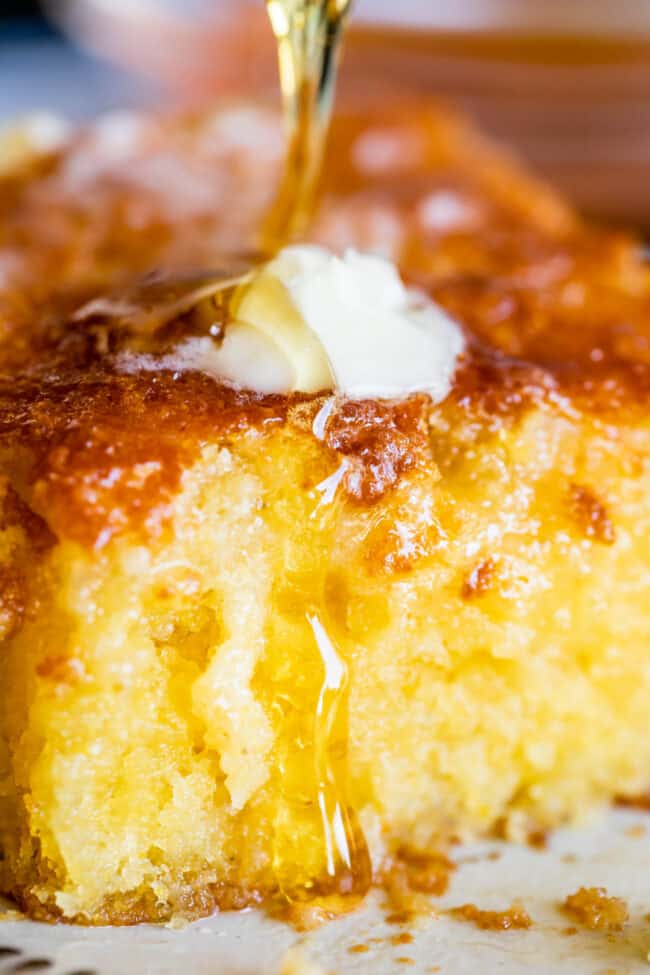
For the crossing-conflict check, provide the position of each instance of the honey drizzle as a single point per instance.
(319, 850)
(333, 687)
(308, 35)
(348, 861)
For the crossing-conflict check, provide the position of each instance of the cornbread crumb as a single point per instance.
(593, 908)
(399, 917)
(308, 915)
(425, 872)
(538, 839)
(409, 878)
(514, 918)
(641, 801)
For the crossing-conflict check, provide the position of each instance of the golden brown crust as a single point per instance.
(405, 878)
(107, 450)
(191, 902)
(555, 313)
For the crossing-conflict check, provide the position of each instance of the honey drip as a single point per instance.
(348, 861)
(319, 850)
(319, 847)
(308, 34)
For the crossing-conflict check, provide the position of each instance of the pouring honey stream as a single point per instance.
(308, 34)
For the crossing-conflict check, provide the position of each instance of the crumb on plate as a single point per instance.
(515, 918)
(593, 908)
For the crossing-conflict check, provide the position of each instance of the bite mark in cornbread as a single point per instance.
(175, 579)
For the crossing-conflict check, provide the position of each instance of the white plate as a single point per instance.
(614, 853)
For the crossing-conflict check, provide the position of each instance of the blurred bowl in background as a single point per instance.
(565, 81)
(40, 72)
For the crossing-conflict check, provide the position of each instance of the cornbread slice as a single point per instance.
(258, 644)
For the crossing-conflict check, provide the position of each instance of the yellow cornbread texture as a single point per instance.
(159, 709)
(236, 654)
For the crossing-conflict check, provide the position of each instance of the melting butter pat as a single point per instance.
(350, 324)
(310, 321)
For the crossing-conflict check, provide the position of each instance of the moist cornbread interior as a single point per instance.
(246, 653)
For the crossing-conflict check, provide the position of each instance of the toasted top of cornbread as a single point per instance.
(555, 312)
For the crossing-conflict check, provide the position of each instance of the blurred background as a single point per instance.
(40, 70)
(565, 81)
